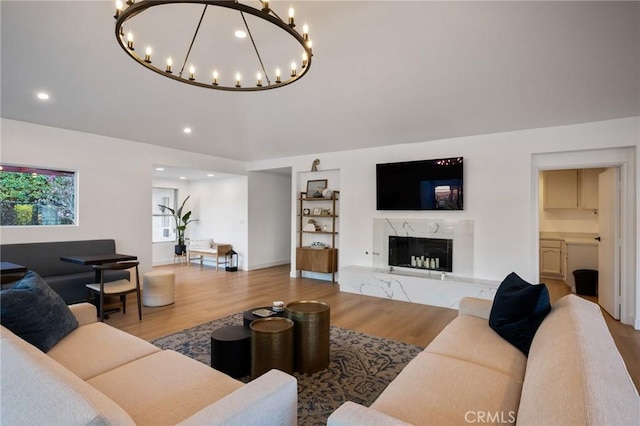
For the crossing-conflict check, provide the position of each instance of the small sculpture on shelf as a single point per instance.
(311, 226)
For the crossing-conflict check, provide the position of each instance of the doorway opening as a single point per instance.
(622, 161)
(578, 221)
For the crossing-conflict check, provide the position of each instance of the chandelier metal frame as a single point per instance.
(132, 8)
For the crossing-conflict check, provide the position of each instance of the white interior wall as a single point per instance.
(114, 182)
(115, 175)
(269, 219)
(221, 205)
(498, 188)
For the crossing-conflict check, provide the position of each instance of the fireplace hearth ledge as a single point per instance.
(427, 288)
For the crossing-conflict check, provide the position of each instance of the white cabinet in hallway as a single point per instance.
(553, 262)
(561, 189)
(571, 189)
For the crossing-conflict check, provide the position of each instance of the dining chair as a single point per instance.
(120, 287)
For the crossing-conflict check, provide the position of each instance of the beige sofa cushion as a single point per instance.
(96, 348)
(575, 375)
(84, 312)
(201, 245)
(469, 338)
(36, 390)
(164, 388)
(439, 390)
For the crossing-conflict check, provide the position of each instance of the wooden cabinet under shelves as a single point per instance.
(317, 260)
(318, 225)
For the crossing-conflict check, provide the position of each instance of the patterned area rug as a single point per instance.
(360, 368)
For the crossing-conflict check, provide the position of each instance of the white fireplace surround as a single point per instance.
(417, 286)
(460, 231)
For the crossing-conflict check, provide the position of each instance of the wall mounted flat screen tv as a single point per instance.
(420, 185)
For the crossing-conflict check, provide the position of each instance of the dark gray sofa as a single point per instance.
(66, 279)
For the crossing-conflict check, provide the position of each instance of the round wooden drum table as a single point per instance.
(312, 347)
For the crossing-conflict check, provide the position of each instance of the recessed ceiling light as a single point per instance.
(210, 175)
(183, 177)
(240, 34)
(43, 96)
(160, 169)
(187, 130)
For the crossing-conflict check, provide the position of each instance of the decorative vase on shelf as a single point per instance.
(327, 193)
(318, 193)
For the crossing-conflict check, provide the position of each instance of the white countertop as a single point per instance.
(571, 237)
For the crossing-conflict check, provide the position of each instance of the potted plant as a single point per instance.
(182, 220)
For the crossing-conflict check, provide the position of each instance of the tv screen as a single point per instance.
(420, 185)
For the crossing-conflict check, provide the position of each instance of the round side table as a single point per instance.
(231, 350)
(312, 326)
(249, 317)
(271, 345)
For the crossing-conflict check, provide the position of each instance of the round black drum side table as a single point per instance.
(231, 350)
(249, 316)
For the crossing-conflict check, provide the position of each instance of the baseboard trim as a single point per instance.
(269, 264)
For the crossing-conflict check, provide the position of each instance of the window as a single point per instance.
(35, 197)
(164, 226)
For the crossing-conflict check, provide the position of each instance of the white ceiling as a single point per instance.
(161, 171)
(384, 72)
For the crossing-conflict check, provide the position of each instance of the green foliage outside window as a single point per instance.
(36, 196)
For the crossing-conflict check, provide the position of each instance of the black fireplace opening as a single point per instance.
(421, 253)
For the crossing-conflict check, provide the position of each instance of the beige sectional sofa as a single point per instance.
(99, 375)
(573, 375)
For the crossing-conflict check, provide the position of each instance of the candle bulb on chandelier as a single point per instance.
(238, 80)
(192, 70)
(119, 7)
(130, 41)
(291, 13)
(259, 78)
(169, 63)
(293, 69)
(215, 78)
(265, 5)
(305, 32)
(305, 59)
(278, 76)
(147, 55)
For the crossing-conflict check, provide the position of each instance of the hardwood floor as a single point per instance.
(204, 294)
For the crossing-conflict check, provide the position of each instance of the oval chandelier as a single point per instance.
(230, 80)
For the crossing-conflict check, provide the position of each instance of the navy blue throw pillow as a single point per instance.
(518, 310)
(36, 313)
